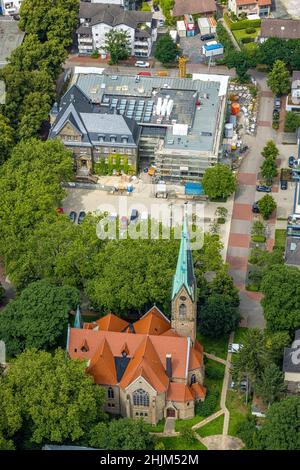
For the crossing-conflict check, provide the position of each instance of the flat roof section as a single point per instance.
(10, 38)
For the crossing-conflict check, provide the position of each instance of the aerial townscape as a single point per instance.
(149, 226)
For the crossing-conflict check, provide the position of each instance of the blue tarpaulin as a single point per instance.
(194, 189)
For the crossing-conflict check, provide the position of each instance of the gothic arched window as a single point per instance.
(140, 398)
(193, 379)
(110, 393)
(182, 311)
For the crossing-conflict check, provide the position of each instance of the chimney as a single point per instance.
(169, 365)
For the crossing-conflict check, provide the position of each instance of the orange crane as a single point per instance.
(182, 66)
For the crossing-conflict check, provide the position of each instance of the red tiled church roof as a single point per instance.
(179, 392)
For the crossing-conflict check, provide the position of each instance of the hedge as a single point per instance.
(247, 40)
(245, 24)
(250, 30)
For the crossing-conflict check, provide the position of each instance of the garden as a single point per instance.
(245, 31)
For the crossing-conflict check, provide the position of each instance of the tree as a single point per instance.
(218, 317)
(6, 139)
(258, 229)
(275, 343)
(218, 181)
(242, 61)
(221, 213)
(292, 121)
(49, 398)
(267, 206)
(268, 169)
(270, 150)
(166, 50)
(187, 434)
(223, 285)
(270, 385)
(252, 357)
(2, 292)
(117, 43)
(281, 302)
(121, 434)
(38, 317)
(279, 78)
(247, 432)
(281, 427)
(35, 110)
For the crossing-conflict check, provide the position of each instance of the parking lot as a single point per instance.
(192, 48)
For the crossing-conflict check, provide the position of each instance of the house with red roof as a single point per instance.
(261, 8)
(152, 368)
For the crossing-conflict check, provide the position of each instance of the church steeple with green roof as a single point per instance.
(78, 320)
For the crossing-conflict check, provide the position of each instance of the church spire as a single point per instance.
(184, 275)
(78, 320)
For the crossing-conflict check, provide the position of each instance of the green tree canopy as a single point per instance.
(117, 43)
(35, 110)
(266, 205)
(268, 169)
(270, 150)
(218, 317)
(252, 357)
(38, 317)
(166, 50)
(279, 78)
(281, 427)
(121, 434)
(270, 385)
(48, 398)
(6, 139)
(218, 181)
(281, 302)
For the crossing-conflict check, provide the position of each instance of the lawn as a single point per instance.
(212, 428)
(241, 34)
(216, 346)
(159, 427)
(238, 411)
(280, 237)
(177, 443)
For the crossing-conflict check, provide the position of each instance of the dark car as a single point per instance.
(207, 37)
(81, 216)
(134, 216)
(277, 102)
(283, 185)
(73, 216)
(255, 208)
(275, 113)
(291, 161)
(263, 188)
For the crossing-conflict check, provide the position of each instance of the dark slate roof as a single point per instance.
(121, 364)
(112, 15)
(291, 357)
(276, 27)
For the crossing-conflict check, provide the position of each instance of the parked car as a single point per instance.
(141, 63)
(263, 188)
(134, 216)
(81, 216)
(73, 216)
(277, 102)
(275, 113)
(255, 208)
(291, 161)
(283, 185)
(234, 347)
(207, 37)
(124, 222)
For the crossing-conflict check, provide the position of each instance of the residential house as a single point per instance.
(152, 368)
(293, 98)
(194, 7)
(93, 137)
(127, 4)
(97, 19)
(10, 7)
(291, 366)
(277, 28)
(261, 8)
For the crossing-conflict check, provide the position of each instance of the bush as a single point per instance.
(247, 40)
(208, 406)
(95, 55)
(244, 24)
(250, 30)
(258, 238)
(212, 372)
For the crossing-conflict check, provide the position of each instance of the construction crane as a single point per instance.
(182, 66)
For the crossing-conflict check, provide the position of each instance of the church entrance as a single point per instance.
(170, 413)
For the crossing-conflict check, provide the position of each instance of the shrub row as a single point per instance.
(245, 24)
(247, 40)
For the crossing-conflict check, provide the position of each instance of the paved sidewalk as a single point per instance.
(215, 358)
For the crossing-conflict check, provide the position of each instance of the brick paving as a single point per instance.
(264, 123)
(242, 211)
(266, 94)
(254, 295)
(247, 178)
(270, 244)
(237, 263)
(240, 240)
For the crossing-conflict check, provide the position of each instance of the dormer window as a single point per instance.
(124, 140)
(113, 138)
(101, 138)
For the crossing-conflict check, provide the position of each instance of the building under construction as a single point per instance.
(180, 119)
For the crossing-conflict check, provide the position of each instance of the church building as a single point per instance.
(152, 368)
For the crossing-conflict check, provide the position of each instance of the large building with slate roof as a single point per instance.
(152, 368)
(175, 124)
(97, 19)
(291, 366)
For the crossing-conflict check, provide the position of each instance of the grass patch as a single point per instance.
(216, 346)
(159, 427)
(238, 411)
(252, 288)
(240, 34)
(182, 423)
(280, 237)
(212, 428)
(177, 443)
